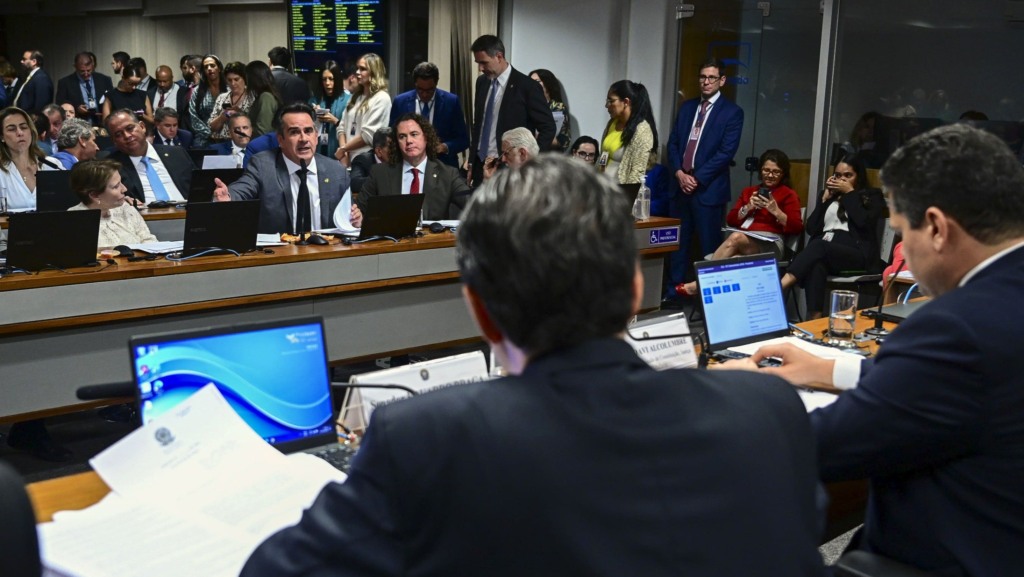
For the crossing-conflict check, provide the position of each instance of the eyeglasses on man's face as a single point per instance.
(708, 79)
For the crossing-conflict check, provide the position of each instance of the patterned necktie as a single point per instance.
(414, 188)
(163, 96)
(691, 144)
(159, 192)
(485, 130)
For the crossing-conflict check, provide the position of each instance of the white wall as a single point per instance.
(590, 44)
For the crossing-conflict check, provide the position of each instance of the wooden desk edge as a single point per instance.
(70, 493)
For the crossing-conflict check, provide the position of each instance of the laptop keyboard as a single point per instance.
(339, 456)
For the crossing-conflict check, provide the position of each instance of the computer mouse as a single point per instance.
(160, 204)
(317, 239)
(436, 227)
(123, 250)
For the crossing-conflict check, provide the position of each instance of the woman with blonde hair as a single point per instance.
(367, 110)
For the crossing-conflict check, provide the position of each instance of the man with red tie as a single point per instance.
(701, 147)
(413, 168)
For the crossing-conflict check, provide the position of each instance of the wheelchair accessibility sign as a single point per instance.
(668, 235)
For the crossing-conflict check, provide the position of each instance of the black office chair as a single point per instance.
(864, 564)
(18, 528)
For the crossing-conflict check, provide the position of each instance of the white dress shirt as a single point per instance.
(495, 143)
(172, 190)
(407, 175)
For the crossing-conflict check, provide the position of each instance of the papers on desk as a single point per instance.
(816, 349)
(195, 491)
(342, 217)
(159, 247)
(219, 161)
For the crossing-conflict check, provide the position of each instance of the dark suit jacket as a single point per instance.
(183, 139)
(441, 183)
(69, 90)
(37, 93)
(266, 178)
(178, 163)
(935, 423)
(360, 169)
(522, 104)
(719, 141)
(290, 87)
(222, 148)
(589, 463)
(449, 121)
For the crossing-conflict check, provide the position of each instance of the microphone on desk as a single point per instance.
(878, 331)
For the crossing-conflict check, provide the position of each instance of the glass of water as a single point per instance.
(842, 316)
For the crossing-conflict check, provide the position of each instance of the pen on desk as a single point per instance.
(800, 330)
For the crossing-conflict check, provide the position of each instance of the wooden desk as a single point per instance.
(165, 223)
(60, 331)
(70, 493)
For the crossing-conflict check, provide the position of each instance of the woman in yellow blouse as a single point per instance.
(630, 141)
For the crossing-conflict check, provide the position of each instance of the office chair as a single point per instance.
(864, 564)
(861, 281)
(18, 528)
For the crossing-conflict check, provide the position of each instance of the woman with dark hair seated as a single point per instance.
(843, 230)
(585, 149)
(98, 185)
(770, 209)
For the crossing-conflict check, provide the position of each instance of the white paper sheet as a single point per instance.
(343, 217)
(819, 350)
(816, 399)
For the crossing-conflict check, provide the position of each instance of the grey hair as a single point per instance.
(521, 137)
(73, 130)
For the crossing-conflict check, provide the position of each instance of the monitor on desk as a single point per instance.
(742, 300)
(202, 185)
(53, 191)
(41, 240)
(223, 226)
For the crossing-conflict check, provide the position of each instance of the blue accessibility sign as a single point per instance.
(668, 235)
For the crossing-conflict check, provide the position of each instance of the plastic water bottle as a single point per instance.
(642, 204)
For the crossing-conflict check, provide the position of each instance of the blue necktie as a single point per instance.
(485, 130)
(425, 110)
(159, 192)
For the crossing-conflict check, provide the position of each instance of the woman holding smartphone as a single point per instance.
(329, 104)
(770, 209)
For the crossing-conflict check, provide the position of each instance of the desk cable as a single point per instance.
(176, 256)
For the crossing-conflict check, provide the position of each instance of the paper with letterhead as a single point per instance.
(670, 352)
(342, 218)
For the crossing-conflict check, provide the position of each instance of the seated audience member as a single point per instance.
(364, 162)
(20, 159)
(774, 215)
(844, 233)
(76, 142)
(517, 147)
(413, 168)
(127, 96)
(150, 173)
(640, 472)
(240, 128)
(69, 110)
(168, 132)
(276, 177)
(98, 185)
(934, 419)
(585, 149)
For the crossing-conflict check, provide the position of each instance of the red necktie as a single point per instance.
(163, 95)
(414, 188)
(691, 144)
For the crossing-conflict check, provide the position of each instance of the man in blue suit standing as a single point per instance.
(440, 107)
(700, 150)
(37, 89)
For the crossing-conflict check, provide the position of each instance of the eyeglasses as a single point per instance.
(508, 152)
(705, 79)
(586, 155)
(771, 172)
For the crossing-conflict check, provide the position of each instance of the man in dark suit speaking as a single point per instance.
(505, 99)
(413, 168)
(584, 461)
(297, 188)
(935, 419)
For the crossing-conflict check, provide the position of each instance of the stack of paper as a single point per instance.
(194, 492)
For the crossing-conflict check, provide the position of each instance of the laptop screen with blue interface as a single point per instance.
(742, 300)
(274, 375)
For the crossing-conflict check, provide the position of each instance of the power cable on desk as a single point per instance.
(171, 256)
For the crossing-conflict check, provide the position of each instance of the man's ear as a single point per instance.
(482, 318)
(939, 225)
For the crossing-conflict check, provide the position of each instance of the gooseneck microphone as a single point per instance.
(878, 330)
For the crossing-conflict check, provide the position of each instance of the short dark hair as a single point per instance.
(381, 137)
(426, 70)
(164, 113)
(122, 58)
(429, 136)
(301, 107)
(37, 56)
(550, 249)
(584, 140)
(236, 68)
(551, 83)
(280, 56)
(488, 43)
(185, 58)
(778, 157)
(712, 63)
(138, 62)
(967, 173)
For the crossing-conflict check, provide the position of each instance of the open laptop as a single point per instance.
(202, 185)
(223, 226)
(392, 216)
(53, 191)
(39, 240)
(273, 374)
(742, 300)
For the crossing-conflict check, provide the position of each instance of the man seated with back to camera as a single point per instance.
(934, 420)
(275, 178)
(413, 168)
(585, 461)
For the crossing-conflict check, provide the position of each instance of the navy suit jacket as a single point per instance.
(69, 90)
(183, 139)
(522, 104)
(37, 93)
(222, 148)
(442, 185)
(589, 463)
(936, 424)
(449, 121)
(266, 178)
(719, 141)
(178, 163)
